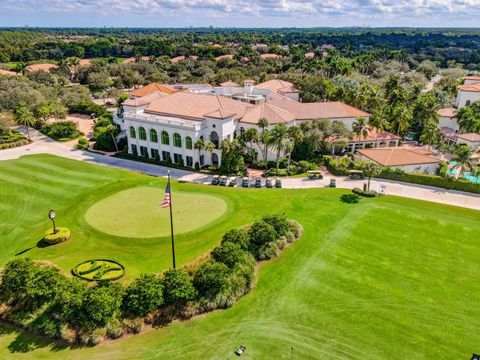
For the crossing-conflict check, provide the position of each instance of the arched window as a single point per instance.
(153, 135)
(214, 138)
(142, 134)
(133, 135)
(188, 143)
(177, 140)
(214, 159)
(165, 138)
(468, 103)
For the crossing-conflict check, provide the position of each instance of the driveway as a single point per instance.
(44, 145)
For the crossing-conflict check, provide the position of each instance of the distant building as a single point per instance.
(469, 92)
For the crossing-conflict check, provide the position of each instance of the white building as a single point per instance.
(469, 92)
(167, 126)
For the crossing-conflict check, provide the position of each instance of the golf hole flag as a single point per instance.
(167, 201)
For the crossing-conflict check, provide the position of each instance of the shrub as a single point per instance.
(237, 236)
(88, 107)
(82, 143)
(177, 288)
(267, 251)
(61, 130)
(17, 275)
(228, 253)
(134, 326)
(43, 325)
(143, 295)
(262, 233)
(211, 278)
(61, 235)
(114, 329)
(279, 223)
(100, 304)
(358, 191)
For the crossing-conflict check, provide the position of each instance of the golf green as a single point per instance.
(137, 213)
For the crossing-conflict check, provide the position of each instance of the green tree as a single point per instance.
(210, 147)
(370, 170)
(143, 295)
(100, 304)
(278, 139)
(199, 146)
(23, 116)
(237, 236)
(228, 253)
(232, 160)
(430, 133)
(463, 157)
(261, 233)
(211, 279)
(469, 118)
(177, 288)
(361, 127)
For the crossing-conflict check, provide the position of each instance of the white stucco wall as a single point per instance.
(448, 122)
(464, 96)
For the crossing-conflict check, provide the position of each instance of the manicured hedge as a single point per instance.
(358, 191)
(432, 180)
(61, 235)
(12, 145)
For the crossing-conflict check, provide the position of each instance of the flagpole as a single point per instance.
(171, 221)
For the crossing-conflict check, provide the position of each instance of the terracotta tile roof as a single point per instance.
(223, 57)
(473, 137)
(145, 100)
(270, 56)
(41, 67)
(321, 110)
(375, 135)
(273, 114)
(472, 77)
(398, 156)
(195, 106)
(219, 114)
(177, 59)
(9, 73)
(229, 83)
(132, 59)
(310, 55)
(151, 88)
(327, 47)
(85, 62)
(470, 87)
(274, 85)
(448, 112)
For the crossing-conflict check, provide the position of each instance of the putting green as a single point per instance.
(137, 213)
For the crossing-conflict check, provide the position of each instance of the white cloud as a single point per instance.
(356, 10)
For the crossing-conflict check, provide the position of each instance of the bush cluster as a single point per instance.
(62, 234)
(46, 302)
(61, 130)
(358, 191)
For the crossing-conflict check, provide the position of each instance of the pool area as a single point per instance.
(466, 175)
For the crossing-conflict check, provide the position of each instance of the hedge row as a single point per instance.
(432, 180)
(74, 312)
(14, 144)
(358, 191)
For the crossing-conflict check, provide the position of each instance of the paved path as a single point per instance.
(45, 145)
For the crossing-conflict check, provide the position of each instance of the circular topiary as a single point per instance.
(61, 235)
(99, 270)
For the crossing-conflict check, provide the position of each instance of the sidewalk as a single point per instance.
(44, 145)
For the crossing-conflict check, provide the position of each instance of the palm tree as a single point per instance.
(20, 67)
(210, 147)
(401, 118)
(73, 63)
(430, 133)
(278, 137)
(294, 135)
(23, 116)
(463, 157)
(264, 139)
(370, 170)
(361, 127)
(199, 145)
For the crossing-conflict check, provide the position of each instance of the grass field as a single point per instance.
(382, 278)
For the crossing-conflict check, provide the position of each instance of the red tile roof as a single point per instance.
(229, 83)
(151, 88)
(9, 73)
(470, 87)
(448, 112)
(398, 156)
(41, 67)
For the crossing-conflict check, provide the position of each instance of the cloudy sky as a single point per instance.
(240, 13)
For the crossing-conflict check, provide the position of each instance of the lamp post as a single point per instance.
(52, 214)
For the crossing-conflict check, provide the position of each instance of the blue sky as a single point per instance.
(240, 13)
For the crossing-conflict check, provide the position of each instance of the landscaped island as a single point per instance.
(382, 277)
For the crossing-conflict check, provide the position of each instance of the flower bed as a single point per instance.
(62, 234)
(99, 270)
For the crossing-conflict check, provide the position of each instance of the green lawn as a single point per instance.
(382, 278)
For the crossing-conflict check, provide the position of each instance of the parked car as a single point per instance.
(333, 183)
(232, 182)
(223, 181)
(278, 183)
(215, 180)
(258, 183)
(269, 183)
(245, 182)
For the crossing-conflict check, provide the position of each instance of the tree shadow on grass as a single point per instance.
(350, 198)
(40, 245)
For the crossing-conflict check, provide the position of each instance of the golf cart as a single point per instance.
(245, 182)
(216, 180)
(278, 183)
(232, 182)
(356, 175)
(223, 181)
(314, 174)
(268, 184)
(258, 183)
(240, 350)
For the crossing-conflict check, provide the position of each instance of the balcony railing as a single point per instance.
(153, 119)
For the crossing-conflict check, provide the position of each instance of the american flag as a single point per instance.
(166, 199)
